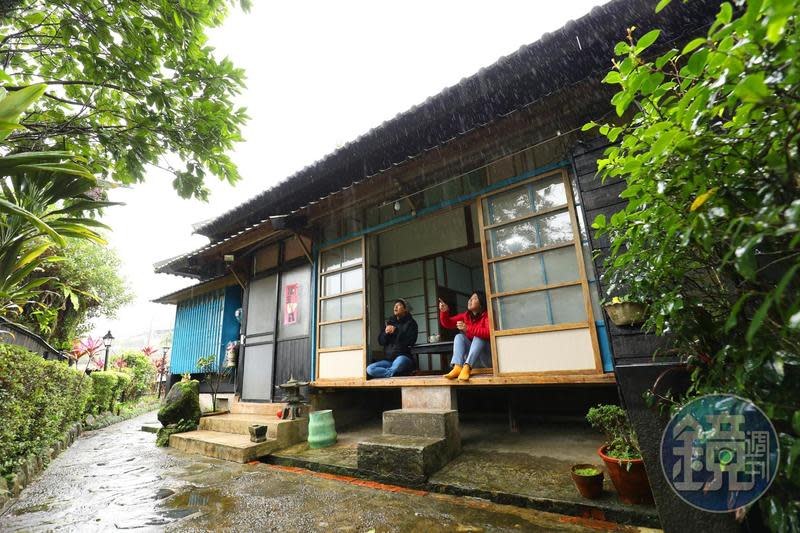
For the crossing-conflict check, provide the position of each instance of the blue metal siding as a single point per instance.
(203, 326)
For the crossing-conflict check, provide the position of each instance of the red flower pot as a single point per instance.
(631, 482)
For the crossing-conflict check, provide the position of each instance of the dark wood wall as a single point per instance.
(293, 360)
(629, 344)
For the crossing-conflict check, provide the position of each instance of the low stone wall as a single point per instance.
(12, 485)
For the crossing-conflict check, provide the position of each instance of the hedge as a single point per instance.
(39, 399)
(104, 386)
(141, 369)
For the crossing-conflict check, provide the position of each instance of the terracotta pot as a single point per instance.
(630, 481)
(589, 486)
(626, 313)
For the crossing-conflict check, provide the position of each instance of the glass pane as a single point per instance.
(261, 305)
(343, 307)
(568, 305)
(530, 234)
(515, 274)
(295, 299)
(521, 311)
(351, 253)
(331, 284)
(508, 205)
(512, 239)
(549, 193)
(330, 336)
(339, 282)
(331, 260)
(341, 334)
(542, 308)
(352, 333)
(524, 200)
(352, 279)
(555, 229)
(560, 265)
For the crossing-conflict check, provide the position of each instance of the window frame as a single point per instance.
(582, 280)
(320, 299)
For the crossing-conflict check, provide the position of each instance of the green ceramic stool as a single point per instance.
(321, 429)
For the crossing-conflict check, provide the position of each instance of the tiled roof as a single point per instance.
(582, 48)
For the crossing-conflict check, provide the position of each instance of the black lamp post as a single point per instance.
(164, 350)
(108, 338)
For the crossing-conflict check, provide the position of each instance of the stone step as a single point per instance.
(227, 446)
(285, 432)
(403, 458)
(434, 423)
(255, 408)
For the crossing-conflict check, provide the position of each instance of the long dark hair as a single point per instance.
(482, 300)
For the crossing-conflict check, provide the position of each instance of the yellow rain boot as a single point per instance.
(453, 374)
(464, 375)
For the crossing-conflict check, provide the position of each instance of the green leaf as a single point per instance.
(697, 62)
(662, 4)
(589, 125)
(613, 77)
(758, 319)
(752, 88)
(599, 222)
(621, 48)
(647, 39)
(725, 13)
(693, 44)
(775, 29)
(733, 316)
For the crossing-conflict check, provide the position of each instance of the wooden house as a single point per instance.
(489, 185)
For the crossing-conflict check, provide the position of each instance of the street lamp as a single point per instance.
(163, 369)
(108, 338)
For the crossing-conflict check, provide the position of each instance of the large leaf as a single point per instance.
(12, 209)
(12, 104)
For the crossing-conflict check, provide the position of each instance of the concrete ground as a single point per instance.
(117, 479)
(530, 468)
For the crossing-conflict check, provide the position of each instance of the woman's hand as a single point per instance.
(389, 329)
(461, 325)
(443, 307)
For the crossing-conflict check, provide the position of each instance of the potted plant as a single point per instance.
(589, 480)
(621, 453)
(214, 377)
(625, 312)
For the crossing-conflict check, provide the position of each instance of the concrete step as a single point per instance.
(285, 432)
(255, 408)
(227, 446)
(434, 423)
(403, 458)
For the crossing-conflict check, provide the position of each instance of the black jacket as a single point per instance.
(399, 342)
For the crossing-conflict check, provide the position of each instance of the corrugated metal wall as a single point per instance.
(198, 331)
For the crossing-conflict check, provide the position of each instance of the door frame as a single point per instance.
(277, 271)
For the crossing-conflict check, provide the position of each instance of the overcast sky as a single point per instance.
(319, 74)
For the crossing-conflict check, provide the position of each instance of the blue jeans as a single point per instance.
(401, 365)
(473, 352)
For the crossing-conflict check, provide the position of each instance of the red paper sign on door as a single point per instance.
(290, 296)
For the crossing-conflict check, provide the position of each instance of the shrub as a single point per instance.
(121, 390)
(103, 389)
(141, 369)
(40, 400)
(613, 422)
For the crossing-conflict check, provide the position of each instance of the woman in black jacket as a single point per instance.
(397, 338)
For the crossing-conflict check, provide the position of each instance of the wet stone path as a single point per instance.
(117, 479)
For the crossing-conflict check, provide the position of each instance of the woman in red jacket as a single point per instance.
(471, 345)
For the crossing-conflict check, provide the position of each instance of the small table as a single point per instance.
(444, 349)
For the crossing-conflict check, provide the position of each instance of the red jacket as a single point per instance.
(478, 327)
